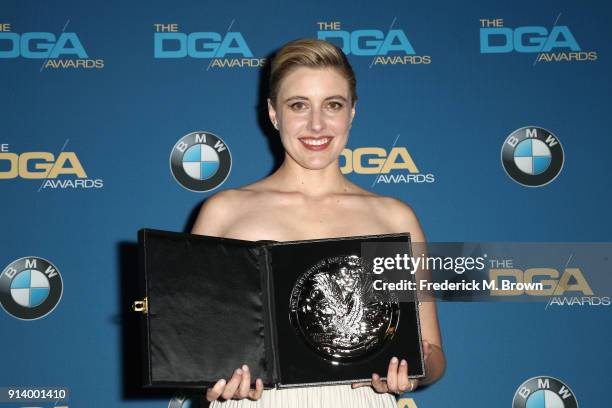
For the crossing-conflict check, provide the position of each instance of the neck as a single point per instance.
(315, 183)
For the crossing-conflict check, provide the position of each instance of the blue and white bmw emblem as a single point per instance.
(30, 288)
(200, 161)
(532, 156)
(544, 392)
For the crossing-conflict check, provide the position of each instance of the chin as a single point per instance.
(317, 164)
(316, 160)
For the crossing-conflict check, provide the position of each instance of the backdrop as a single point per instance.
(95, 96)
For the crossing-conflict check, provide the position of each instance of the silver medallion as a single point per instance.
(336, 311)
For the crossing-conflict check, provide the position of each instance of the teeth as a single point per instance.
(316, 142)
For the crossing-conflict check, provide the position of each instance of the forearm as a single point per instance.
(435, 364)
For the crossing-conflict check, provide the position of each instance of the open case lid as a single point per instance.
(205, 309)
(214, 304)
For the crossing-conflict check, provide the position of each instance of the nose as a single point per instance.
(317, 121)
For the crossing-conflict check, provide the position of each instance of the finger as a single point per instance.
(379, 385)
(245, 383)
(362, 384)
(215, 392)
(392, 375)
(258, 391)
(403, 382)
(232, 385)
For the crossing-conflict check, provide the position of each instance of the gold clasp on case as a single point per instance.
(141, 306)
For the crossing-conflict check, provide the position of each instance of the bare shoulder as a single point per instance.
(400, 215)
(395, 207)
(219, 209)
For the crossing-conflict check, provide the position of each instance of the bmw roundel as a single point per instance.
(200, 161)
(30, 288)
(544, 392)
(532, 156)
(180, 401)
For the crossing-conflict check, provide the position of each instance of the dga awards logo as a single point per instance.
(64, 171)
(62, 51)
(532, 156)
(227, 49)
(544, 392)
(390, 166)
(200, 161)
(568, 287)
(30, 288)
(389, 47)
(405, 402)
(554, 45)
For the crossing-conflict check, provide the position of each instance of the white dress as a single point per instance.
(331, 396)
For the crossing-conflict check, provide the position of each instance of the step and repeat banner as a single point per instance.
(490, 118)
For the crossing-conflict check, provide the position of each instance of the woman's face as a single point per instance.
(314, 113)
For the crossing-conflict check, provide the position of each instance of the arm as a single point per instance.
(435, 362)
(403, 219)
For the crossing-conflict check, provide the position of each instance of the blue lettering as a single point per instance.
(208, 49)
(62, 48)
(38, 49)
(536, 37)
(368, 42)
(528, 39)
(13, 40)
(199, 45)
(241, 46)
(42, 45)
(371, 46)
(568, 40)
(160, 39)
(404, 44)
(485, 40)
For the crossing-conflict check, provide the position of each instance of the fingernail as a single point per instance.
(245, 367)
(238, 371)
(403, 362)
(375, 376)
(394, 360)
(259, 381)
(222, 381)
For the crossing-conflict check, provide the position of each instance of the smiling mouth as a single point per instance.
(316, 143)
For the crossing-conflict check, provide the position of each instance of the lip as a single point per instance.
(316, 143)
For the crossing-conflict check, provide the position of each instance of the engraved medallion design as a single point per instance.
(336, 311)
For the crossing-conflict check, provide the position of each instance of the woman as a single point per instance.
(312, 105)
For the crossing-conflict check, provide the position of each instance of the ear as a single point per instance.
(353, 112)
(272, 113)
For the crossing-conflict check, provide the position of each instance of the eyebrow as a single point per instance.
(298, 97)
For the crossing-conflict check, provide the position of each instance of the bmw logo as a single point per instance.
(532, 156)
(30, 288)
(180, 401)
(544, 392)
(200, 161)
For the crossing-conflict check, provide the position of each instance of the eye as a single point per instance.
(297, 106)
(334, 105)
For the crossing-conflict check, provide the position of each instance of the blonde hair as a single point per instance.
(312, 53)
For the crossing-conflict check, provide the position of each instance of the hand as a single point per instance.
(238, 387)
(397, 379)
(397, 376)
